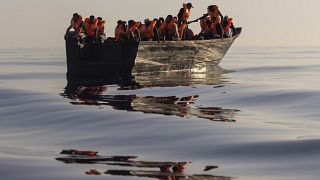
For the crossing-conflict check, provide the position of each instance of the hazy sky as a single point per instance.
(42, 23)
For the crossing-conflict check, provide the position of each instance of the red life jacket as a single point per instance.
(132, 29)
(100, 28)
(214, 24)
(148, 31)
(119, 31)
(90, 27)
(228, 25)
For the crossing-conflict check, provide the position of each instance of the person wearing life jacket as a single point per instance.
(90, 26)
(213, 11)
(161, 28)
(101, 36)
(76, 24)
(120, 31)
(88, 33)
(148, 30)
(216, 28)
(133, 32)
(184, 13)
(228, 27)
(171, 29)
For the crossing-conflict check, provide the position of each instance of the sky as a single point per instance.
(42, 23)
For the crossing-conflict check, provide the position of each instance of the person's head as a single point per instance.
(169, 18)
(189, 5)
(91, 18)
(161, 19)
(212, 8)
(226, 18)
(147, 22)
(130, 23)
(119, 22)
(75, 16)
(99, 19)
(124, 25)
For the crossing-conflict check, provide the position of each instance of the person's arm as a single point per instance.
(138, 34)
(221, 16)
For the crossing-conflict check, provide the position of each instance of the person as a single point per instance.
(161, 26)
(184, 13)
(120, 30)
(148, 30)
(75, 24)
(213, 11)
(101, 36)
(216, 28)
(89, 30)
(228, 27)
(133, 32)
(171, 29)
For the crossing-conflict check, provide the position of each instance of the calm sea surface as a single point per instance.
(257, 116)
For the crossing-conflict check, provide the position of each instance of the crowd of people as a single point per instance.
(213, 25)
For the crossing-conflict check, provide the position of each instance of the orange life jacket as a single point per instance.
(186, 13)
(148, 31)
(161, 29)
(76, 25)
(170, 28)
(228, 25)
(119, 31)
(203, 22)
(214, 24)
(90, 27)
(181, 29)
(100, 28)
(132, 29)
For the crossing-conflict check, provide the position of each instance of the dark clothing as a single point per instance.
(180, 14)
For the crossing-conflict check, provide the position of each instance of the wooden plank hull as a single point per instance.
(178, 55)
(100, 60)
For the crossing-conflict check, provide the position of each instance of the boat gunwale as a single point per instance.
(184, 42)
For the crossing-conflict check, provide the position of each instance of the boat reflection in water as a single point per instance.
(95, 94)
(160, 170)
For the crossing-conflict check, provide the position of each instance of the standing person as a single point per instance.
(89, 29)
(101, 36)
(184, 13)
(133, 32)
(161, 26)
(76, 23)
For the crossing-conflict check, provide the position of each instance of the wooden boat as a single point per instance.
(179, 55)
(99, 60)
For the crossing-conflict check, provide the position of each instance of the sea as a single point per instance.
(255, 116)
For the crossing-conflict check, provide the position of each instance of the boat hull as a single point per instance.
(100, 60)
(178, 55)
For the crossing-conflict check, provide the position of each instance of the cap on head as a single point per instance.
(189, 5)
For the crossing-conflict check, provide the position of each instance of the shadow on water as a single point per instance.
(95, 94)
(143, 169)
